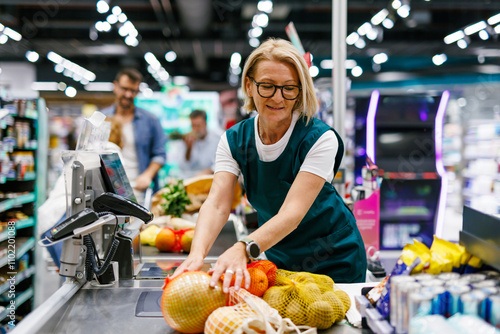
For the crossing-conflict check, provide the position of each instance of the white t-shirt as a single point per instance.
(130, 160)
(319, 160)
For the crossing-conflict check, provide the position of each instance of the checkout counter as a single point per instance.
(130, 304)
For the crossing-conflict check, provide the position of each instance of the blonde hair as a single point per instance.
(282, 51)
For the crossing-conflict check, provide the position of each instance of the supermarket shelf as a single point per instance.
(29, 222)
(19, 200)
(21, 299)
(20, 251)
(27, 273)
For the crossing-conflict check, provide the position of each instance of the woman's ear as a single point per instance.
(248, 85)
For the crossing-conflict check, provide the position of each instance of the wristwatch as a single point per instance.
(253, 248)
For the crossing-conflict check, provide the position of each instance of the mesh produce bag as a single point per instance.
(307, 299)
(250, 314)
(188, 300)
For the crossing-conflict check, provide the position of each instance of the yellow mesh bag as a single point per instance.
(307, 299)
(250, 314)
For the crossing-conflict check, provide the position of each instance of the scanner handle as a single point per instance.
(78, 232)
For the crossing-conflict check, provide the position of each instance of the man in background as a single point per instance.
(143, 137)
(200, 147)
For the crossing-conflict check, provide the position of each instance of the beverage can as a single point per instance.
(402, 316)
(395, 282)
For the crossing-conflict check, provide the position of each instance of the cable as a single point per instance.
(91, 264)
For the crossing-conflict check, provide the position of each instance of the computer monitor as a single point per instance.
(114, 176)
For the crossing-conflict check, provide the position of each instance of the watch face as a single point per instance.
(254, 250)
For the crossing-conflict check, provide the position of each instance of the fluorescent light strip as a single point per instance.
(494, 19)
(44, 85)
(99, 87)
(370, 125)
(472, 29)
(438, 138)
(452, 38)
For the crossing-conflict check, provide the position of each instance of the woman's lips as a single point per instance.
(275, 108)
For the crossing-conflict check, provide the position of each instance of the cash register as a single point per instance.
(100, 229)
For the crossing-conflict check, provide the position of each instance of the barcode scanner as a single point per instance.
(66, 227)
(109, 202)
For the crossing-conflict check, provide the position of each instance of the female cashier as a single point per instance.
(288, 160)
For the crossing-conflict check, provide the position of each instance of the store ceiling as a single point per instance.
(204, 34)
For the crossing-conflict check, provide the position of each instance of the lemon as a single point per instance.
(320, 314)
(336, 304)
(344, 298)
(295, 311)
(277, 297)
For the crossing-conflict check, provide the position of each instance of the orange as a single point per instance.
(268, 268)
(258, 282)
(165, 240)
(186, 240)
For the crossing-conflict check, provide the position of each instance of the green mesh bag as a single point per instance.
(307, 299)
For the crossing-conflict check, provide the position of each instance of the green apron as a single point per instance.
(327, 241)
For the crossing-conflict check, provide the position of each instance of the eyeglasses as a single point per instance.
(267, 90)
(131, 90)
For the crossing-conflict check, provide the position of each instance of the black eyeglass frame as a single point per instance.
(275, 87)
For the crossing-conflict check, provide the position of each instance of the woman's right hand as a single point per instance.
(192, 263)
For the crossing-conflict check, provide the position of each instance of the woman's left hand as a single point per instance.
(233, 262)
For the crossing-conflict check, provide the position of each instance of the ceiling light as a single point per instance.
(261, 20)
(472, 29)
(494, 19)
(61, 86)
(352, 38)
(170, 56)
(255, 32)
(265, 6)
(439, 59)
(102, 6)
(235, 60)
(360, 43)
(350, 64)
(396, 4)
(483, 34)
(462, 44)
(364, 28)
(404, 11)
(254, 42)
(99, 87)
(314, 71)
(122, 17)
(380, 58)
(12, 34)
(112, 19)
(131, 41)
(58, 68)
(481, 59)
(116, 10)
(388, 23)
(452, 38)
(44, 85)
(54, 57)
(148, 92)
(70, 91)
(356, 71)
(379, 17)
(32, 56)
(106, 26)
(1, 27)
(326, 64)
(372, 34)
(497, 29)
